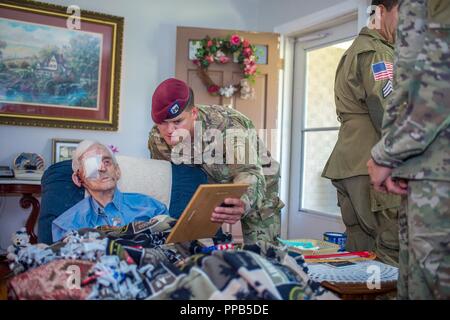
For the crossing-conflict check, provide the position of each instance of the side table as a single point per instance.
(28, 189)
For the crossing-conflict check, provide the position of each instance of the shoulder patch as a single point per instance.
(387, 89)
(383, 70)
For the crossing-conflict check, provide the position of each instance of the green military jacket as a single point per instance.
(262, 175)
(416, 126)
(363, 84)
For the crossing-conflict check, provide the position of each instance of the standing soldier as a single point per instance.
(362, 85)
(175, 115)
(416, 147)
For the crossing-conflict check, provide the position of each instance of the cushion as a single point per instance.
(146, 176)
(59, 193)
(185, 181)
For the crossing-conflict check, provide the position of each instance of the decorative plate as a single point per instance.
(29, 161)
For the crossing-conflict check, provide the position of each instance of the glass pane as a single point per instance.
(318, 193)
(261, 53)
(193, 46)
(321, 65)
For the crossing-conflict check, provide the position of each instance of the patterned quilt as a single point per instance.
(133, 262)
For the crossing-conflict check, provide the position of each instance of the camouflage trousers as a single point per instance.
(425, 241)
(262, 226)
(370, 218)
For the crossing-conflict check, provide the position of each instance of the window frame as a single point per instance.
(335, 35)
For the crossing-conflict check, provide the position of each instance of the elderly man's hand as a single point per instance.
(230, 214)
(380, 178)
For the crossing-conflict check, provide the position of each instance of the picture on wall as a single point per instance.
(63, 149)
(57, 74)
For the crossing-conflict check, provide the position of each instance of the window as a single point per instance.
(319, 128)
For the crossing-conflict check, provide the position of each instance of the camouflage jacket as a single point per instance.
(416, 125)
(262, 174)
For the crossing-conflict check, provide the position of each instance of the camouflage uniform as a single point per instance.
(416, 140)
(261, 220)
(362, 90)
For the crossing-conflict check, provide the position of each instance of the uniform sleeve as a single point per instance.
(252, 175)
(376, 72)
(412, 121)
(241, 167)
(153, 141)
(420, 121)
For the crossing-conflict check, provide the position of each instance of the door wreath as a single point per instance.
(219, 50)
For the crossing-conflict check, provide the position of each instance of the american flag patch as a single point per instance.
(383, 71)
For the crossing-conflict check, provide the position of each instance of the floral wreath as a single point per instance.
(218, 50)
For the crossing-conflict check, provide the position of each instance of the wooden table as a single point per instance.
(360, 291)
(28, 189)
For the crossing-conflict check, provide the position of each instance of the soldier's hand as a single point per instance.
(231, 214)
(378, 175)
(396, 186)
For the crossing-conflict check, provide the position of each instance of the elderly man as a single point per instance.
(96, 169)
(363, 84)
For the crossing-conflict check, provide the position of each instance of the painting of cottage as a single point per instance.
(47, 65)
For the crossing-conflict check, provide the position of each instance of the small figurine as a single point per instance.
(20, 239)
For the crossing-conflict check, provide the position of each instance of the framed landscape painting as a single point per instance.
(59, 66)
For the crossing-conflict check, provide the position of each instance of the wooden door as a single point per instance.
(263, 109)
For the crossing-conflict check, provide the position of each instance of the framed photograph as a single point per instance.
(59, 66)
(62, 149)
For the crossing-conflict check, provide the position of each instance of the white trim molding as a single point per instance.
(344, 11)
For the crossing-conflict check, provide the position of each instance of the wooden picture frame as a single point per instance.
(55, 73)
(195, 221)
(62, 149)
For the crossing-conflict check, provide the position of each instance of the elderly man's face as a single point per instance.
(98, 171)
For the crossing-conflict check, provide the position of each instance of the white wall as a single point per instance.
(273, 13)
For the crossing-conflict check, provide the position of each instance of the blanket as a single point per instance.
(133, 262)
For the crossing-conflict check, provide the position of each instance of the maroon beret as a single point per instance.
(169, 100)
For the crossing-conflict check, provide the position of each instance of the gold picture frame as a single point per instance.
(53, 74)
(62, 149)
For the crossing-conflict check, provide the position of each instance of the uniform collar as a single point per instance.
(375, 35)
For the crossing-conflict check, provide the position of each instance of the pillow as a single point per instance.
(147, 176)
